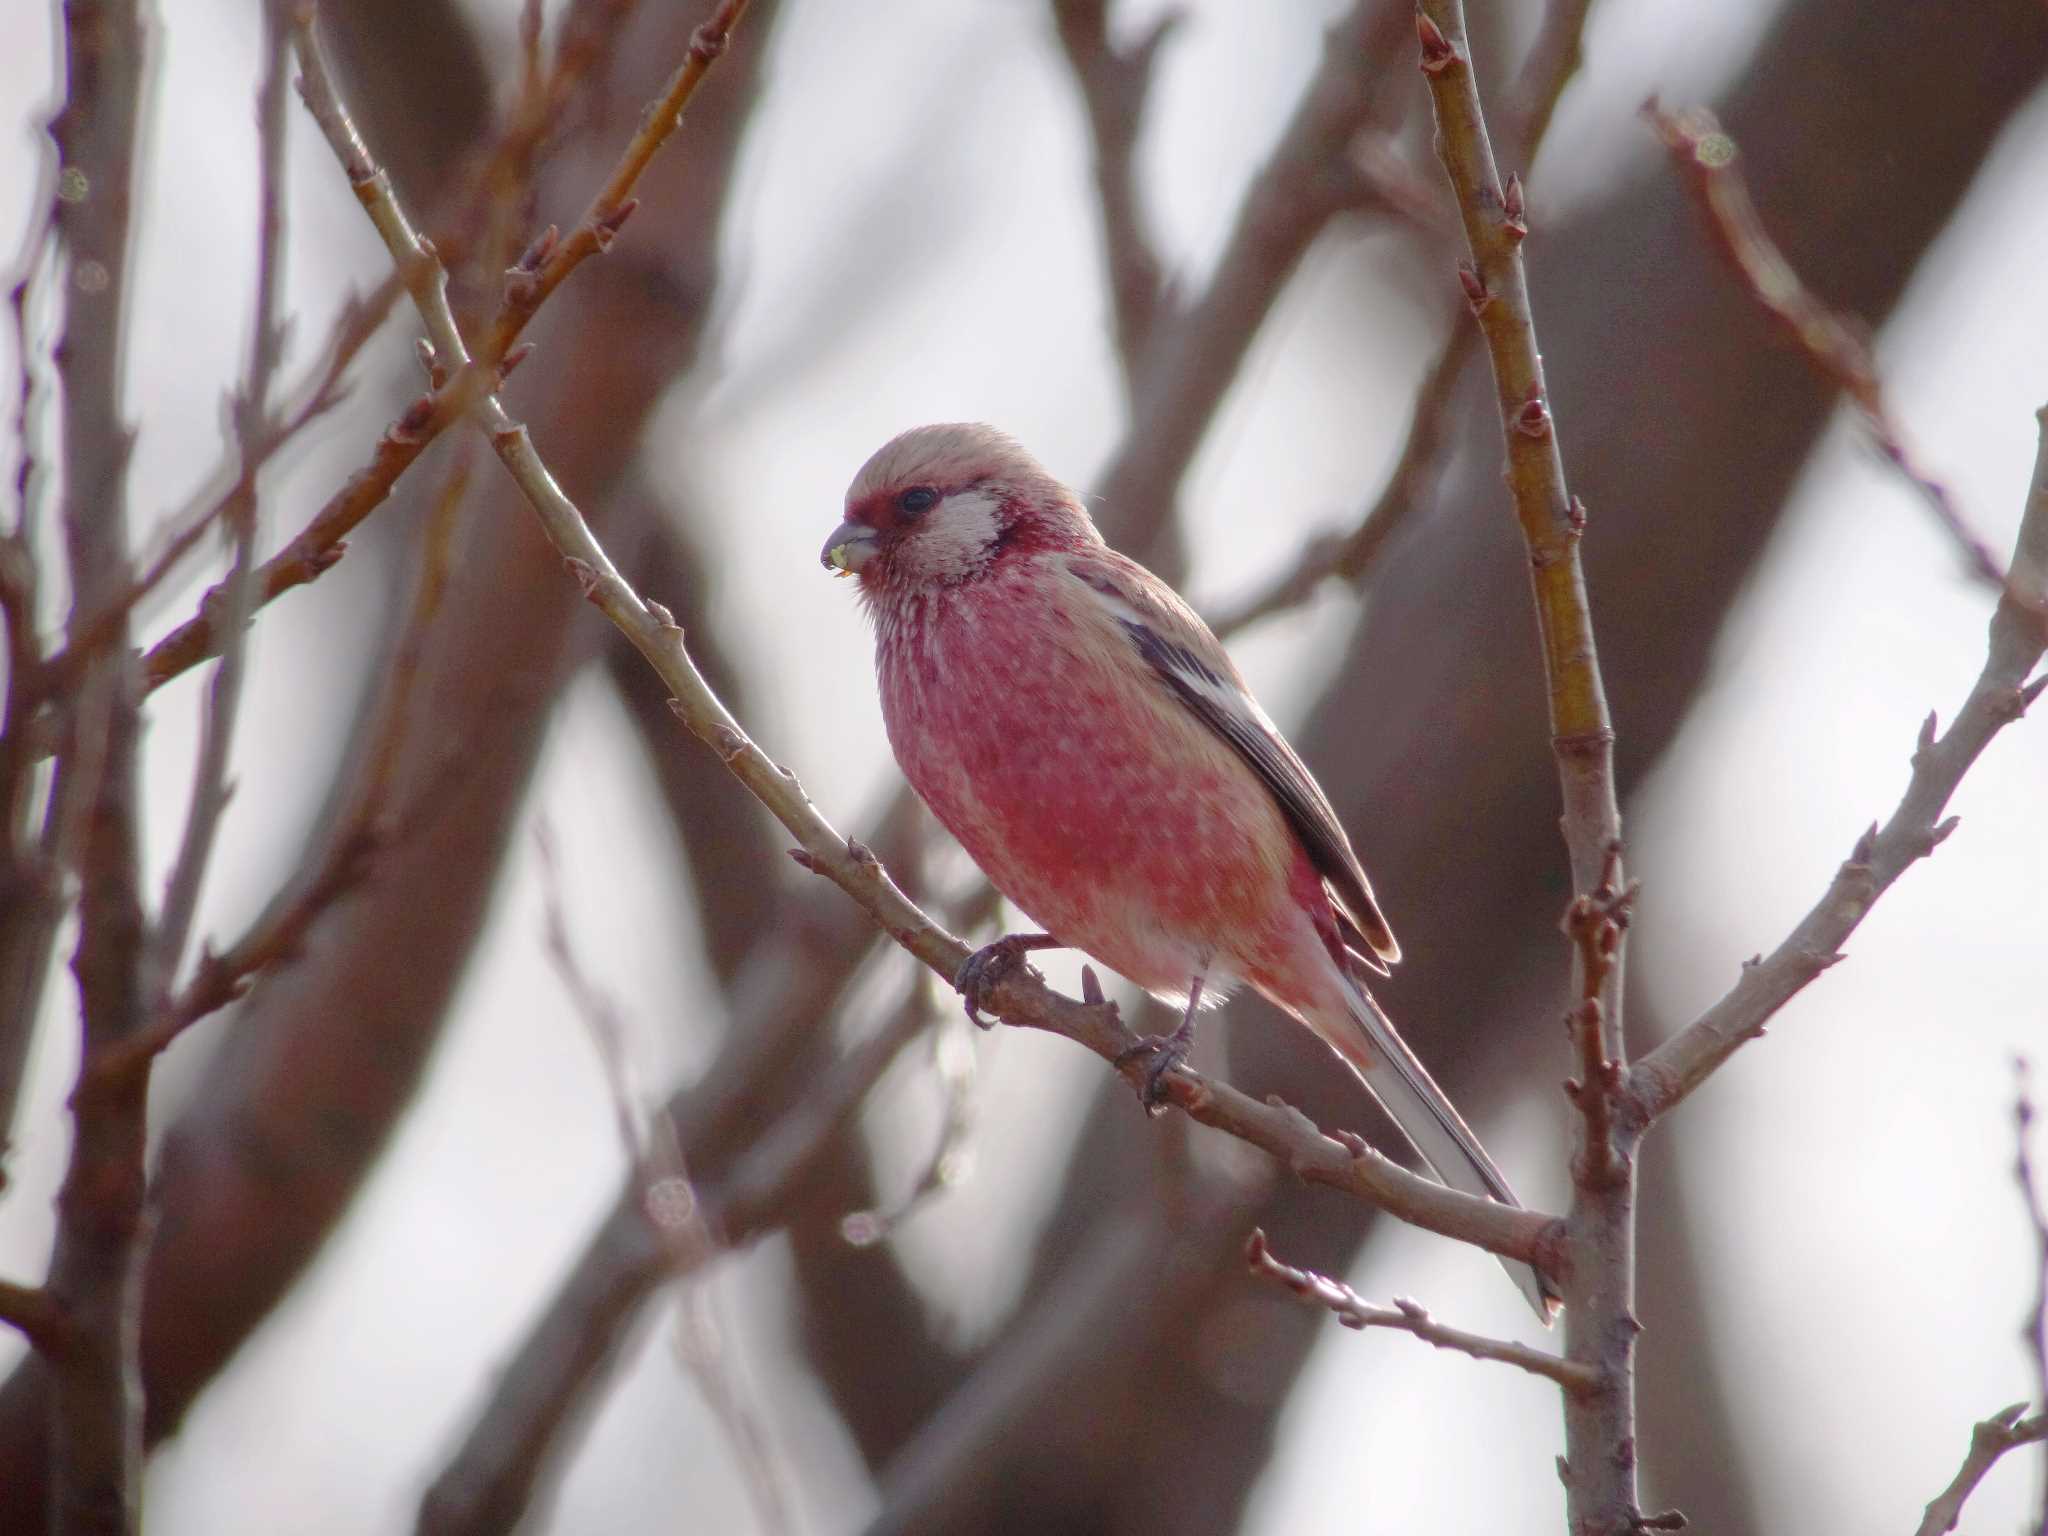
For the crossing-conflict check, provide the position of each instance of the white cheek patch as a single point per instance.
(959, 534)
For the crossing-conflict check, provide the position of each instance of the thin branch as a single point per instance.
(31, 892)
(1548, 67)
(700, 1346)
(595, 1008)
(1551, 62)
(786, 986)
(2035, 1332)
(1599, 1292)
(251, 413)
(491, 1479)
(951, 1157)
(1354, 1311)
(2005, 1430)
(1836, 345)
(1916, 828)
(1115, 83)
(1308, 180)
(370, 823)
(614, 202)
(321, 545)
(318, 390)
(654, 1151)
(1496, 223)
(543, 268)
(322, 542)
(1352, 556)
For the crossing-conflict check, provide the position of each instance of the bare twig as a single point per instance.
(701, 1347)
(546, 264)
(613, 205)
(1309, 179)
(1353, 1311)
(787, 985)
(1351, 556)
(1551, 62)
(585, 43)
(319, 390)
(1553, 58)
(1495, 221)
(654, 1153)
(251, 411)
(1599, 1293)
(594, 1007)
(2034, 1334)
(368, 824)
(1915, 829)
(492, 1477)
(2005, 1430)
(31, 892)
(1836, 345)
(951, 1155)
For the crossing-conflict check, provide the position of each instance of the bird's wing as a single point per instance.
(1172, 639)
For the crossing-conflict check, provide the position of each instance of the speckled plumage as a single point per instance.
(1075, 725)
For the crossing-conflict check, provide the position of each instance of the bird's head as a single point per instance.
(940, 505)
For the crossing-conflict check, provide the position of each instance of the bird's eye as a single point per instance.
(917, 501)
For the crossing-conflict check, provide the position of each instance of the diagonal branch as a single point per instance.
(1916, 828)
(1552, 61)
(492, 1479)
(1306, 181)
(2004, 1431)
(1354, 1311)
(252, 426)
(546, 264)
(319, 390)
(1836, 345)
(369, 823)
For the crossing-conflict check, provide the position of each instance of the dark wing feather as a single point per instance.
(1222, 703)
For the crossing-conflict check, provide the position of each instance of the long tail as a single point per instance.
(1427, 1118)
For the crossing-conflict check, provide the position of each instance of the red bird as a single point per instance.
(1081, 732)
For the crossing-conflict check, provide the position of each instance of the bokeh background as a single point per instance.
(876, 217)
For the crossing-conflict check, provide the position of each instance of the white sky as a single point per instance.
(1853, 1169)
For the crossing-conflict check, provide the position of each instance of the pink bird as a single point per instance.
(1086, 738)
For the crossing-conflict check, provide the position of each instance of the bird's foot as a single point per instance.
(992, 964)
(1166, 1052)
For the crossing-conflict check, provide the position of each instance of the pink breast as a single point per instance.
(1088, 795)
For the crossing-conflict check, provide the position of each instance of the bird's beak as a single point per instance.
(849, 548)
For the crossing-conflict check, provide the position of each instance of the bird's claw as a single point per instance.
(1167, 1052)
(987, 968)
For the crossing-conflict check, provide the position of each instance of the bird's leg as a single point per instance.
(1166, 1051)
(992, 963)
